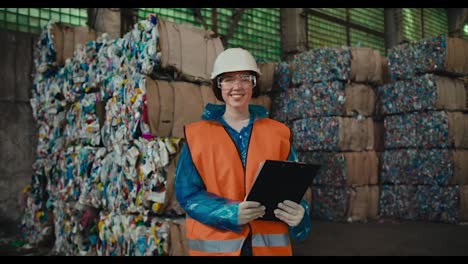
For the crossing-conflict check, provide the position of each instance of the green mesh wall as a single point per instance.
(334, 12)
(362, 39)
(33, 19)
(435, 22)
(258, 30)
(322, 32)
(178, 15)
(371, 18)
(412, 29)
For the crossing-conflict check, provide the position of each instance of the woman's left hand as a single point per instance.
(289, 212)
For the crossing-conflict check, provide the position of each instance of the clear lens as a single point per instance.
(245, 80)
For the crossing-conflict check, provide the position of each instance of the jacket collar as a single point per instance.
(213, 112)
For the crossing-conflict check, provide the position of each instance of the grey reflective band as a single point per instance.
(215, 246)
(219, 246)
(272, 240)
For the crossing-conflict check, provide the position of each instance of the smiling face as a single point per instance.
(236, 89)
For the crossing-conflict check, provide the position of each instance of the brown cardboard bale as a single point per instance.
(188, 106)
(263, 100)
(170, 45)
(265, 81)
(189, 50)
(358, 204)
(171, 206)
(385, 72)
(463, 210)
(58, 42)
(194, 53)
(208, 95)
(68, 42)
(153, 105)
(167, 101)
(373, 208)
(355, 134)
(160, 105)
(460, 167)
(458, 129)
(379, 131)
(366, 65)
(177, 238)
(82, 35)
(361, 168)
(456, 55)
(363, 204)
(360, 98)
(451, 94)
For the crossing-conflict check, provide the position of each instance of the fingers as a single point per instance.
(249, 204)
(289, 208)
(249, 211)
(289, 212)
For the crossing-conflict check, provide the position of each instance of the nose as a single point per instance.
(238, 83)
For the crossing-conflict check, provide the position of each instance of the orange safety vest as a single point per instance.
(219, 165)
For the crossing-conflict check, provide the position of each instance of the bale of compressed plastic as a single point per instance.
(420, 202)
(423, 93)
(342, 169)
(424, 167)
(333, 134)
(324, 99)
(440, 54)
(434, 129)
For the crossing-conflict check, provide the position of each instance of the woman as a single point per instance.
(217, 166)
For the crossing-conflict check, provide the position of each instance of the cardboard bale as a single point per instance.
(263, 100)
(366, 65)
(360, 98)
(463, 211)
(177, 238)
(356, 134)
(188, 106)
(265, 81)
(361, 168)
(160, 105)
(187, 49)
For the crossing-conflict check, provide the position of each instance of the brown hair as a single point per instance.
(219, 96)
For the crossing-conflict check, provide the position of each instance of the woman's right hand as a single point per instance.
(248, 211)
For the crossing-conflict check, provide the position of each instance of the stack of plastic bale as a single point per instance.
(327, 97)
(99, 168)
(131, 179)
(424, 172)
(49, 107)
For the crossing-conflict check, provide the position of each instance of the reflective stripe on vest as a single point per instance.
(219, 246)
(271, 240)
(215, 246)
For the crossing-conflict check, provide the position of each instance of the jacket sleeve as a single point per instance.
(302, 230)
(199, 204)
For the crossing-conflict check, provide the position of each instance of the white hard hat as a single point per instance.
(234, 59)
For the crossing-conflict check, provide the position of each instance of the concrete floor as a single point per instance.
(384, 239)
(346, 239)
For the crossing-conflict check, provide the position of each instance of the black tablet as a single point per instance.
(277, 181)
